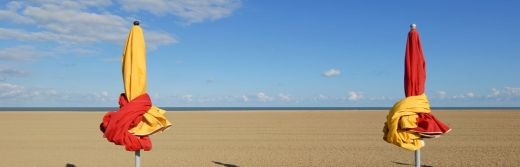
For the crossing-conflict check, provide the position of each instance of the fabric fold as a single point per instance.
(409, 120)
(116, 125)
(153, 121)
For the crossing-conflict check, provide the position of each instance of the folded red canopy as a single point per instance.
(115, 125)
(414, 85)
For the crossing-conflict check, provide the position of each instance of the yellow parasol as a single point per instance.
(136, 118)
(134, 78)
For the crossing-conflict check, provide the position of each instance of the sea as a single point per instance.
(103, 109)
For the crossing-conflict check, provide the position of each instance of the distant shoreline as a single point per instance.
(239, 108)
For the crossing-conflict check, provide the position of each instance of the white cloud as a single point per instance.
(284, 97)
(74, 24)
(19, 53)
(104, 96)
(322, 97)
(8, 90)
(12, 72)
(71, 22)
(104, 93)
(512, 91)
(354, 96)
(187, 97)
(190, 11)
(441, 94)
(494, 92)
(11, 13)
(332, 73)
(13, 92)
(261, 96)
(154, 39)
(245, 98)
(381, 98)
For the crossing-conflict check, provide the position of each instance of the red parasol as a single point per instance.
(410, 119)
(414, 81)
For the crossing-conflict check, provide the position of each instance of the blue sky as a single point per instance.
(231, 53)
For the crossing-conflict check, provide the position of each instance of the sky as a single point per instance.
(267, 53)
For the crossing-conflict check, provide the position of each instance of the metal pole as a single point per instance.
(138, 158)
(417, 158)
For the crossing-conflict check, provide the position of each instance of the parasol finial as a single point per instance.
(413, 26)
(136, 23)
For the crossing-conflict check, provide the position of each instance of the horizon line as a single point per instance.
(237, 108)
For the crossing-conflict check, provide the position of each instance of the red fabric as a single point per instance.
(415, 66)
(414, 85)
(115, 125)
(429, 126)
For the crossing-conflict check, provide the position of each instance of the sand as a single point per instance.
(259, 139)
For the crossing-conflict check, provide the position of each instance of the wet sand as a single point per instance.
(260, 138)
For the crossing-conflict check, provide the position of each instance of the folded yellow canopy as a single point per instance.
(134, 64)
(403, 117)
(134, 78)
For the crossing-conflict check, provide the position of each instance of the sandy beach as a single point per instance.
(260, 139)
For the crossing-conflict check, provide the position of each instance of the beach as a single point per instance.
(260, 138)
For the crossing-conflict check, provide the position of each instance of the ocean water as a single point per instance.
(98, 109)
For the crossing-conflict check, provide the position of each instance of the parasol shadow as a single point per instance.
(70, 165)
(406, 164)
(224, 164)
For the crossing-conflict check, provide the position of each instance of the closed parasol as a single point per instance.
(410, 119)
(136, 117)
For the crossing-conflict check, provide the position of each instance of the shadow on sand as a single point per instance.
(70, 165)
(224, 164)
(400, 163)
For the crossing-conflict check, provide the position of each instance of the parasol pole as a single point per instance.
(138, 152)
(138, 158)
(418, 158)
(418, 155)
(418, 151)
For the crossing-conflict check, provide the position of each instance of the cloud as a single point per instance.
(8, 90)
(13, 94)
(470, 94)
(494, 92)
(322, 97)
(354, 96)
(71, 22)
(332, 73)
(261, 96)
(441, 94)
(104, 96)
(11, 13)
(6, 71)
(515, 92)
(19, 53)
(189, 11)
(187, 97)
(78, 25)
(284, 97)
(245, 98)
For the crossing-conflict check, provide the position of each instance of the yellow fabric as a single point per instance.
(401, 118)
(153, 121)
(134, 64)
(134, 78)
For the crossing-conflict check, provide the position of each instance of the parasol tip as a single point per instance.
(136, 23)
(413, 26)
